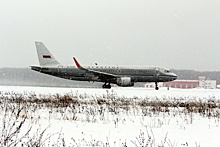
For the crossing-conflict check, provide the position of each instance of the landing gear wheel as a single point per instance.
(106, 86)
(156, 86)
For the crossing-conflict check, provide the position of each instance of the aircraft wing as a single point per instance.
(99, 74)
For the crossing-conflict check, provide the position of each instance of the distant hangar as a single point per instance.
(202, 82)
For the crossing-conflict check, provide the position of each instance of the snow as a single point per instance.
(128, 128)
(120, 91)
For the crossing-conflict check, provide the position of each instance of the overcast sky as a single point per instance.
(177, 34)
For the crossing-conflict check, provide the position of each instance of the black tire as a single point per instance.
(106, 86)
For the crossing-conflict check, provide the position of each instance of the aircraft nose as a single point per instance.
(174, 76)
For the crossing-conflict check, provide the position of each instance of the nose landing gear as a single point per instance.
(156, 86)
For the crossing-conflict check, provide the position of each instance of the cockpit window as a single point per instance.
(167, 71)
(164, 70)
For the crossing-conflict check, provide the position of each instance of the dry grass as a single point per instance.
(25, 106)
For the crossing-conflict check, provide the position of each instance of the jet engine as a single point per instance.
(124, 82)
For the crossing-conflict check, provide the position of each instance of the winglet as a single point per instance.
(77, 63)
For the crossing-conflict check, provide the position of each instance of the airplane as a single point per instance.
(121, 76)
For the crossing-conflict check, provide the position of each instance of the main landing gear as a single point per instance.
(156, 86)
(106, 86)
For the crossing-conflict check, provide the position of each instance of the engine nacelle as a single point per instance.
(124, 82)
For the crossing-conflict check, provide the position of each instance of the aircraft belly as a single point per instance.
(145, 79)
(164, 79)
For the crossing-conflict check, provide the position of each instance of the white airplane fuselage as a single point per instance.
(152, 74)
(122, 76)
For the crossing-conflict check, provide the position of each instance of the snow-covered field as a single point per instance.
(121, 91)
(93, 124)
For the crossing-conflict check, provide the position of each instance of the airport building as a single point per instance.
(202, 82)
(183, 84)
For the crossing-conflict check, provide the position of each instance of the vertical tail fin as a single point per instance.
(44, 55)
